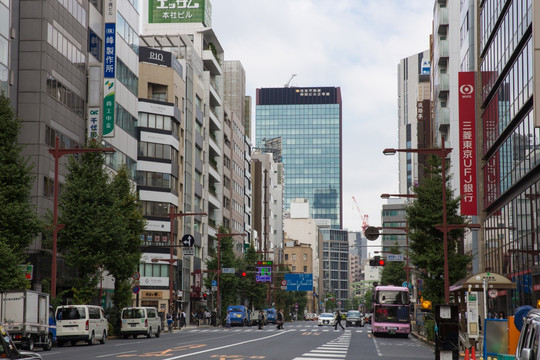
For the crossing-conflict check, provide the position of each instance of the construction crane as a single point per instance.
(364, 217)
(289, 82)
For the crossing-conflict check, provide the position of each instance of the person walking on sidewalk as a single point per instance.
(338, 321)
(182, 318)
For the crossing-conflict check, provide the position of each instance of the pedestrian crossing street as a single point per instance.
(292, 327)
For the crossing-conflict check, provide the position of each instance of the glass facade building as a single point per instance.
(511, 148)
(309, 122)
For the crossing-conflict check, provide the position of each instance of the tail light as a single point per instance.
(87, 325)
(146, 323)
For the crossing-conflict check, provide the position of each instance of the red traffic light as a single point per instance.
(381, 262)
(244, 274)
(204, 295)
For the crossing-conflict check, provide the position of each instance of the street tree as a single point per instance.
(19, 223)
(393, 272)
(229, 284)
(426, 241)
(254, 292)
(87, 208)
(123, 248)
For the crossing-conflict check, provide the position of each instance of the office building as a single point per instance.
(335, 264)
(510, 119)
(308, 124)
(414, 118)
(159, 176)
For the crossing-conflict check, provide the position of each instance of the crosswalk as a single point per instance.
(293, 328)
(332, 350)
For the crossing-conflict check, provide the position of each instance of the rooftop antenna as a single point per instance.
(288, 82)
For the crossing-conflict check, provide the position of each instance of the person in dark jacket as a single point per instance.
(279, 319)
(338, 320)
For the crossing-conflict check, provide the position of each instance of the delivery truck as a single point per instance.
(25, 315)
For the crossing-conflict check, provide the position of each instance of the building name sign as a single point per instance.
(178, 11)
(152, 294)
(312, 92)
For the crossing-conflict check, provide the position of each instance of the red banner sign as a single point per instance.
(467, 143)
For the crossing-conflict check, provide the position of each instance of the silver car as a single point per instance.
(354, 318)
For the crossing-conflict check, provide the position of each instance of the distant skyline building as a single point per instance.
(414, 117)
(309, 122)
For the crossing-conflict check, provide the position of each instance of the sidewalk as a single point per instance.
(432, 344)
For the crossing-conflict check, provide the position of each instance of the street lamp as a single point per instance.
(219, 235)
(442, 152)
(57, 153)
(172, 216)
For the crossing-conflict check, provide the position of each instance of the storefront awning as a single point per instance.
(495, 281)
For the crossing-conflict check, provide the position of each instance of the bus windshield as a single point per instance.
(392, 314)
(393, 297)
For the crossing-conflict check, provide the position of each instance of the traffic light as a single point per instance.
(204, 296)
(240, 273)
(426, 305)
(377, 261)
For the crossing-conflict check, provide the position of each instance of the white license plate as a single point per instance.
(132, 325)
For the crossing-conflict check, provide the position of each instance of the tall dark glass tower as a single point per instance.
(308, 121)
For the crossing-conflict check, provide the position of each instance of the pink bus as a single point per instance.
(391, 311)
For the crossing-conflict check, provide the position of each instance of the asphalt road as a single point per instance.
(301, 340)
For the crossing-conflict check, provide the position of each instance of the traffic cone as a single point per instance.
(473, 355)
(467, 354)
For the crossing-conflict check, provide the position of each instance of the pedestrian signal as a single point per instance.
(204, 295)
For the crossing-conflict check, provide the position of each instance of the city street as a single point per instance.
(302, 340)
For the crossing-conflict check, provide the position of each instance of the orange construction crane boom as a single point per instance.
(364, 217)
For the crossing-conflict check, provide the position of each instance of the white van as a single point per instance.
(81, 323)
(140, 321)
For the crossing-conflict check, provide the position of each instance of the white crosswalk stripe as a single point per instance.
(332, 350)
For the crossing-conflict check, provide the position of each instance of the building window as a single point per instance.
(48, 187)
(305, 269)
(286, 256)
(305, 257)
(293, 257)
(294, 268)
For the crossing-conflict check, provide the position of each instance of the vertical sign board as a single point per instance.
(109, 68)
(93, 122)
(473, 326)
(467, 143)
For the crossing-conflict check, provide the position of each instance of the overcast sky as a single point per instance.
(352, 44)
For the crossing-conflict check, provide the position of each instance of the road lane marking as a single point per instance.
(325, 355)
(228, 346)
(116, 354)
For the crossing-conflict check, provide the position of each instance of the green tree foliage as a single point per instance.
(86, 208)
(426, 242)
(393, 272)
(255, 293)
(19, 223)
(103, 223)
(368, 301)
(122, 250)
(228, 283)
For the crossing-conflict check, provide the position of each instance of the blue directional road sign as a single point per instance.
(299, 282)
